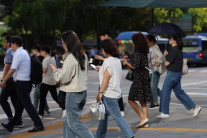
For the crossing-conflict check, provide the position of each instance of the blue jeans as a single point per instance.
(172, 82)
(155, 78)
(72, 125)
(37, 98)
(112, 108)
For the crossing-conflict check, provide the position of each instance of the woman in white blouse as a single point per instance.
(110, 91)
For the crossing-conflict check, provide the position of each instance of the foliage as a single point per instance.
(164, 15)
(43, 21)
(199, 18)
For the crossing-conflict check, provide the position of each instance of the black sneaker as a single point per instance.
(8, 127)
(19, 124)
(47, 113)
(36, 129)
(154, 106)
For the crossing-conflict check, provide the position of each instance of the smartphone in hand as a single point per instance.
(53, 66)
(93, 66)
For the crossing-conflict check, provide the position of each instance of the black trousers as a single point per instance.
(121, 104)
(23, 89)
(43, 94)
(61, 99)
(8, 91)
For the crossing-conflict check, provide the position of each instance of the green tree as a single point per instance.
(199, 16)
(38, 21)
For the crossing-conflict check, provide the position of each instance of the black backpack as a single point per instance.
(36, 70)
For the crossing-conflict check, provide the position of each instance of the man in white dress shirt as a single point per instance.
(21, 69)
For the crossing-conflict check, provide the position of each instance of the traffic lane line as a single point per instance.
(50, 129)
(27, 135)
(53, 128)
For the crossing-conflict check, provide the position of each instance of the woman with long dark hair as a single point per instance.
(73, 80)
(140, 89)
(174, 63)
(110, 90)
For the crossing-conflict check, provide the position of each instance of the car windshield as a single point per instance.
(190, 45)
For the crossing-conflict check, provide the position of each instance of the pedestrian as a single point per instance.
(156, 61)
(21, 69)
(9, 90)
(93, 52)
(48, 81)
(174, 63)
(140, 89)
(61, 101)
(105, 34)
(37, 54)
(73, 80)
(110, 78)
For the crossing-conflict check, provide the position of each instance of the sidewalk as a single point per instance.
(181, 124)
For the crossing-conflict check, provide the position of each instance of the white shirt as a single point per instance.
(22, 64)
(113, 65)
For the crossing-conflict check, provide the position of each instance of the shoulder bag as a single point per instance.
(185, 67)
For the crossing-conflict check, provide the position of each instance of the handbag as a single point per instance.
(162, 68)
(97, 111)
(185, 67)
(129, 75)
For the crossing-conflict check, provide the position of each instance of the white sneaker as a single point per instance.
(64, 113)
(122, 113)
(163, 116)
(196, 111)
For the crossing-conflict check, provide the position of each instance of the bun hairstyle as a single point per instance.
(110, 47)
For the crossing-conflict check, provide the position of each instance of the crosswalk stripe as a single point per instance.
(192, 71)
(203, 71)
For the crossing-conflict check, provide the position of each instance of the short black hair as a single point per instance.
(8, 37)
(151, 38)
(16, 40)
(37, 47)
(45, 48)
(103, 32)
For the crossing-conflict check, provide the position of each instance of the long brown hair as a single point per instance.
(140, 43)
(74, 46)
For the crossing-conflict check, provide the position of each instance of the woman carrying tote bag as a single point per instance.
(156, 61)
(174, 63)
(110, 90)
